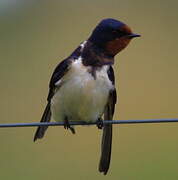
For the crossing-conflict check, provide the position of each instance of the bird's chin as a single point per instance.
(115, 46)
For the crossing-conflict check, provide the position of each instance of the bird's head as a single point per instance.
(112, 36)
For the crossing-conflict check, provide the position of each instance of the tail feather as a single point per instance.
(106, 144)
(45, 118)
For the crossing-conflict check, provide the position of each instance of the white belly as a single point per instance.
(81, 97)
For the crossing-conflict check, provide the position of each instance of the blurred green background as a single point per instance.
(35, 36)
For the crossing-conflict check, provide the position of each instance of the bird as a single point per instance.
(82, 86)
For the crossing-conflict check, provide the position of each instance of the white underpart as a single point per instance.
(80, 96)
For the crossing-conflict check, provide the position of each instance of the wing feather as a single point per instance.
(106, 144)
(61, 69)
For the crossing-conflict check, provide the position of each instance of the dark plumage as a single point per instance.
(82, 86)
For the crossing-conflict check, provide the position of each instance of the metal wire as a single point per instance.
(82, 123)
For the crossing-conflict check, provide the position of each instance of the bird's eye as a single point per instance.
(114, 32)
(118, 32)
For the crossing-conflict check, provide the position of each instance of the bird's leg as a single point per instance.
(99, 123)
(68, 126)
(72, 129)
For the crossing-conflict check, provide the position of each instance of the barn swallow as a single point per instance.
(82, 87)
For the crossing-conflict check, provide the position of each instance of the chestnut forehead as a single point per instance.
(126, 29)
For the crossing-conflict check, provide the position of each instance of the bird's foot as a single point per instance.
(99, 123)
(68, 126)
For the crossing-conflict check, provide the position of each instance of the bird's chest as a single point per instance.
(89, 81)
(84, 93)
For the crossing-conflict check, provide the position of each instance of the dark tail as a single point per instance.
(45, 118)
(106, 144)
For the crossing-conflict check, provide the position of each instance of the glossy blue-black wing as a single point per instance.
(106, 144)
(57, 75)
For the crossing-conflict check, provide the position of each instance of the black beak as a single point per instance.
(133, 35)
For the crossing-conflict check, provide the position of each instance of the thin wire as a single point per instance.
(82, 123)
